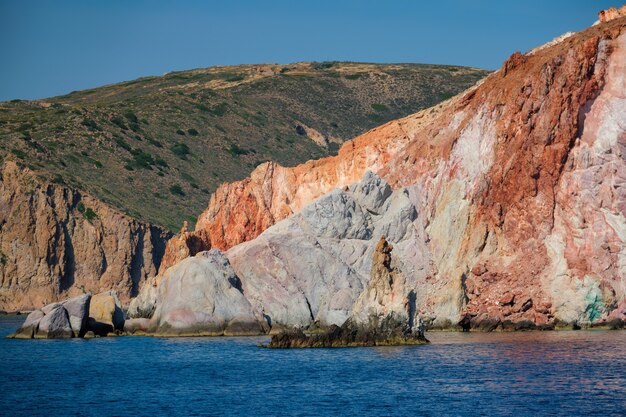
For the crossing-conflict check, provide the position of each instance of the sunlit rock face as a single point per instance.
(505, 204)
(56, 242)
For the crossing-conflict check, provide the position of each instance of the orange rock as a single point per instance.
(612, 13)
(518, 175)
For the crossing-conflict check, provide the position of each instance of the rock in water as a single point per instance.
(78, 312)
(202, 296)
(30, 326)
(105, 313)
(57, 320)
(379, 318)
(55, 325)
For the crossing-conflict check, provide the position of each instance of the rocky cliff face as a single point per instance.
(518, 189)
(56, 242)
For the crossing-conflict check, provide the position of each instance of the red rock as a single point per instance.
(523, 176)
(507, 299)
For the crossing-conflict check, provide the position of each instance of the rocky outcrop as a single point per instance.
(518, 195)
(611, 14)
(202, 296)
(381, 316)
(105, 314)
(58, 320)
(56, 242)
(312, 267)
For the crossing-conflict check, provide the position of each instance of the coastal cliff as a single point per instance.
(56, 242)
(517, 187)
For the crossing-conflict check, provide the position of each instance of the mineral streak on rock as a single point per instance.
(518, 186)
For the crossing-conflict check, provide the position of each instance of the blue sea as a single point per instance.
(458, 374)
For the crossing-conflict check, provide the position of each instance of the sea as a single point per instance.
(562, 373)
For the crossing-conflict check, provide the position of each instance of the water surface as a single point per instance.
(459, 374)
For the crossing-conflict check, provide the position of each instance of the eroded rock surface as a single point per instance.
(382, 315)
(202, 296)
(517, 188)
(56, 243)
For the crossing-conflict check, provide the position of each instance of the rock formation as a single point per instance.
(56, 242)
(381, 316)
(58, 320)
(105, 313)
(201, 296)
(518, 190)
(502, 208)
(611, 14)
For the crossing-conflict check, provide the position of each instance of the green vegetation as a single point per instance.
(181, 150)
(142, 159)
(177, 190)
(156, 147)
(379, 107)
(235, 150)
(90, 124)
(88, 213)
(19, 153)
(219, 110)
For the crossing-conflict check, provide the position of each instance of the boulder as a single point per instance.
(144, 304)
(138, 325)
(78, 312)
(202, 296)
(55, 325)
(105, 313)
(30, 326)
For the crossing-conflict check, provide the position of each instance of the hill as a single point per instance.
(156, 148)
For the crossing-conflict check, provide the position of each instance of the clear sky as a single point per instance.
(50, 48)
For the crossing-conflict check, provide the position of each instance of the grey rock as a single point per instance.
(30, 325)
(202, 296)
(55, 325)
(137, 325)
(144, 304)
(48, 308)
(312, 267)
(372, 192)
(78, 311)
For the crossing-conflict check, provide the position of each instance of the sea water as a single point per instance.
(459, 374)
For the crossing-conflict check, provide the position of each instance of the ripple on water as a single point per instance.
(459, 374)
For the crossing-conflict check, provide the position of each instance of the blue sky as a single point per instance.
(50, 48)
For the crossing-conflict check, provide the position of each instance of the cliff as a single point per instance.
(518, 186)
(56, 242)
